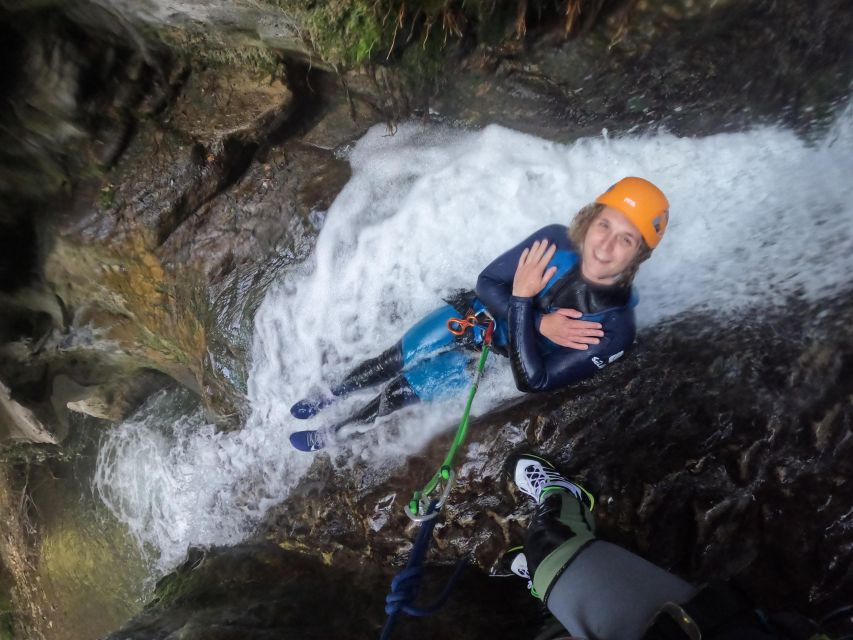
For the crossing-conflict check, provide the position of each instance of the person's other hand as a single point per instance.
(531, 275)
(563, 328)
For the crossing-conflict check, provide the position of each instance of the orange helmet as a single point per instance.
(642, 203)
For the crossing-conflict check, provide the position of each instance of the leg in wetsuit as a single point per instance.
(427, 363)
(600, 591)
(595, 589)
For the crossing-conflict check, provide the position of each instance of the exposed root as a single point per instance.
(397, 26)
(624, 21)
(573, 12)
(412, 29)
(17, 555)
(430, 21)
(451, 23)
(521, 20)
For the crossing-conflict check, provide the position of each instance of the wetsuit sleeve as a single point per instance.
(494, 286)
(534, 371)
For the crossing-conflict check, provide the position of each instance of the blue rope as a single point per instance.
(406, 584)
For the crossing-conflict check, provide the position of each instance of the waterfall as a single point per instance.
(757, 217)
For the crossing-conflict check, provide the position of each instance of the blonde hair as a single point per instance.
(577, 232)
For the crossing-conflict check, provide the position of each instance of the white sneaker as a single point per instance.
(535, 476)
(519, 568)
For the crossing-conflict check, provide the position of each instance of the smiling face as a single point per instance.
(611, 244)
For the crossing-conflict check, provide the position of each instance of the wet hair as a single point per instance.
(577, 232)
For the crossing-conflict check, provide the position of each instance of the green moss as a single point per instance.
(211, 51)
(107, 196)
(496, 21)
(168, 591)
(183, 583)
(12, 453)
(421, 67)
(347, 33)
(7, 616)
(350, 33)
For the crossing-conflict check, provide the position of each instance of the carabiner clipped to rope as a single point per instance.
(424, 510)
(418, 507)
(415, 509)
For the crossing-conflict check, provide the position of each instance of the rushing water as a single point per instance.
(756, 217)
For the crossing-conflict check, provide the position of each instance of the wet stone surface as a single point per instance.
(262, 591)
(693, 71)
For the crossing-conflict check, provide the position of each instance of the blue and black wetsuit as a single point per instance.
(537, 363)
(429, 362)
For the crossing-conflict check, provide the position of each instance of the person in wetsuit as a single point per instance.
(562, 304)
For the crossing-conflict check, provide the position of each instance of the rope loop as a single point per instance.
(406, 584)
(404, 589)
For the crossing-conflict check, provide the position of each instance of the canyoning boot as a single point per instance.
(518, 565)
(537, 477)
(562, 514)
(371, 372)
(514, 562)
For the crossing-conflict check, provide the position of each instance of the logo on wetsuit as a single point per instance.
(598, 362)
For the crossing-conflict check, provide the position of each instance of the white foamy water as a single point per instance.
(755, 216)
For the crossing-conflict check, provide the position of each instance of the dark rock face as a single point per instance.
(262, 591)
(694, 68)
(178, 195)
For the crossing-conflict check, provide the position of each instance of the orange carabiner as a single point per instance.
(458, 326)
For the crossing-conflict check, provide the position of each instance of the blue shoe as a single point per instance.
(308, 441)
(308, 407)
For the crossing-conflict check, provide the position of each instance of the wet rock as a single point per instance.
(239, 32)
(178, 162)
(260, 591)
(19, 424)
(694, 68)
(65, 121)
(157, 317)
(267, 213)
(66, 117)
(113, 400)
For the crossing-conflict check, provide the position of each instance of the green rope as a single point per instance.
(445, 472)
